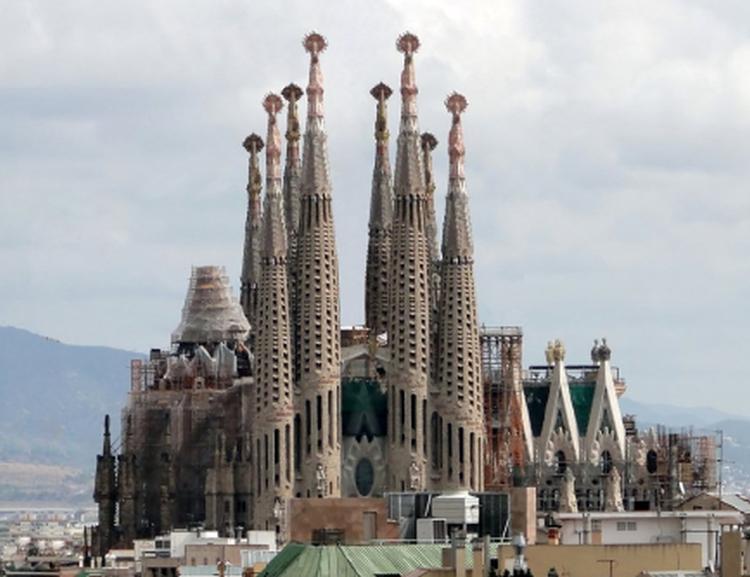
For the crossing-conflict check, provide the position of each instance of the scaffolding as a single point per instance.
(502, 385)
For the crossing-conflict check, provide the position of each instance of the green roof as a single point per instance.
(581, 396)
(536, 402)
(355, 560)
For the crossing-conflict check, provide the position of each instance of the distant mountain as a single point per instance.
(54, 398)
(649, 414)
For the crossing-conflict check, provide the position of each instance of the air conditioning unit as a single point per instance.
(432, 531)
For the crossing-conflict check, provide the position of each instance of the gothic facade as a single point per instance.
(267, 398)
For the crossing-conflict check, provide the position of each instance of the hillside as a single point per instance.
(55, 397)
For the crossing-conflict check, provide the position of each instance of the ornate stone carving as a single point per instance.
(568, 501)
(613, 491)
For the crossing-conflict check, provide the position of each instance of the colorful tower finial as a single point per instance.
(456, 104)
(292, 93)
(381, 92)
(273, 104)
(314, 43)
(408, 43)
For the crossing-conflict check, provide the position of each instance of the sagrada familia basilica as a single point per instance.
(268, 399)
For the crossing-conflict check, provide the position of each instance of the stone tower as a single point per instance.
(292, 167)
(105, 493)
(429, 142)
(292, 184)
(318, 341)
(409, 300)
(381, 216)
(274, 413)
(457, 422)
(251, 255)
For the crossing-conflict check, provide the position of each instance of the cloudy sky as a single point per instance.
(608, 160)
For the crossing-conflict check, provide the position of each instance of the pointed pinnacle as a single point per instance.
(408, 43)
(272, 104)
(314, 44)
(456, 104)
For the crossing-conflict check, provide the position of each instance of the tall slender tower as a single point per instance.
(105, 493)
(292, 185)
(429, 142)
(251, 256)
(272, 432)
(409, 299)
(381, 216)
(459, 398)
(318, 342)
(292, 167)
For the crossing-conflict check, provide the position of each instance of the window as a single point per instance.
(560, 463)
(364, 477)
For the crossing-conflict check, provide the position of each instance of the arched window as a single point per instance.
(652, 461)
(605, 462)
(561, 462)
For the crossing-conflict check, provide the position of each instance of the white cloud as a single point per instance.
(607, 161)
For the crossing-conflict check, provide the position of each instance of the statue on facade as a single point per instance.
(613, 492)
(595, 352)
(415, 476)
(549, 354)
(568, 501)
(558, 351)
(320, 481)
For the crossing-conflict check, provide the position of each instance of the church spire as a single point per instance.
(107, 444)
(292, 93)
(274, 243)
(381, 215)
(251, 257)
(291, 187)
(409, 306)
(317, 339)
(459, 395)
(457, 243)
(429, 142)
(105, 493)
(272, 424)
